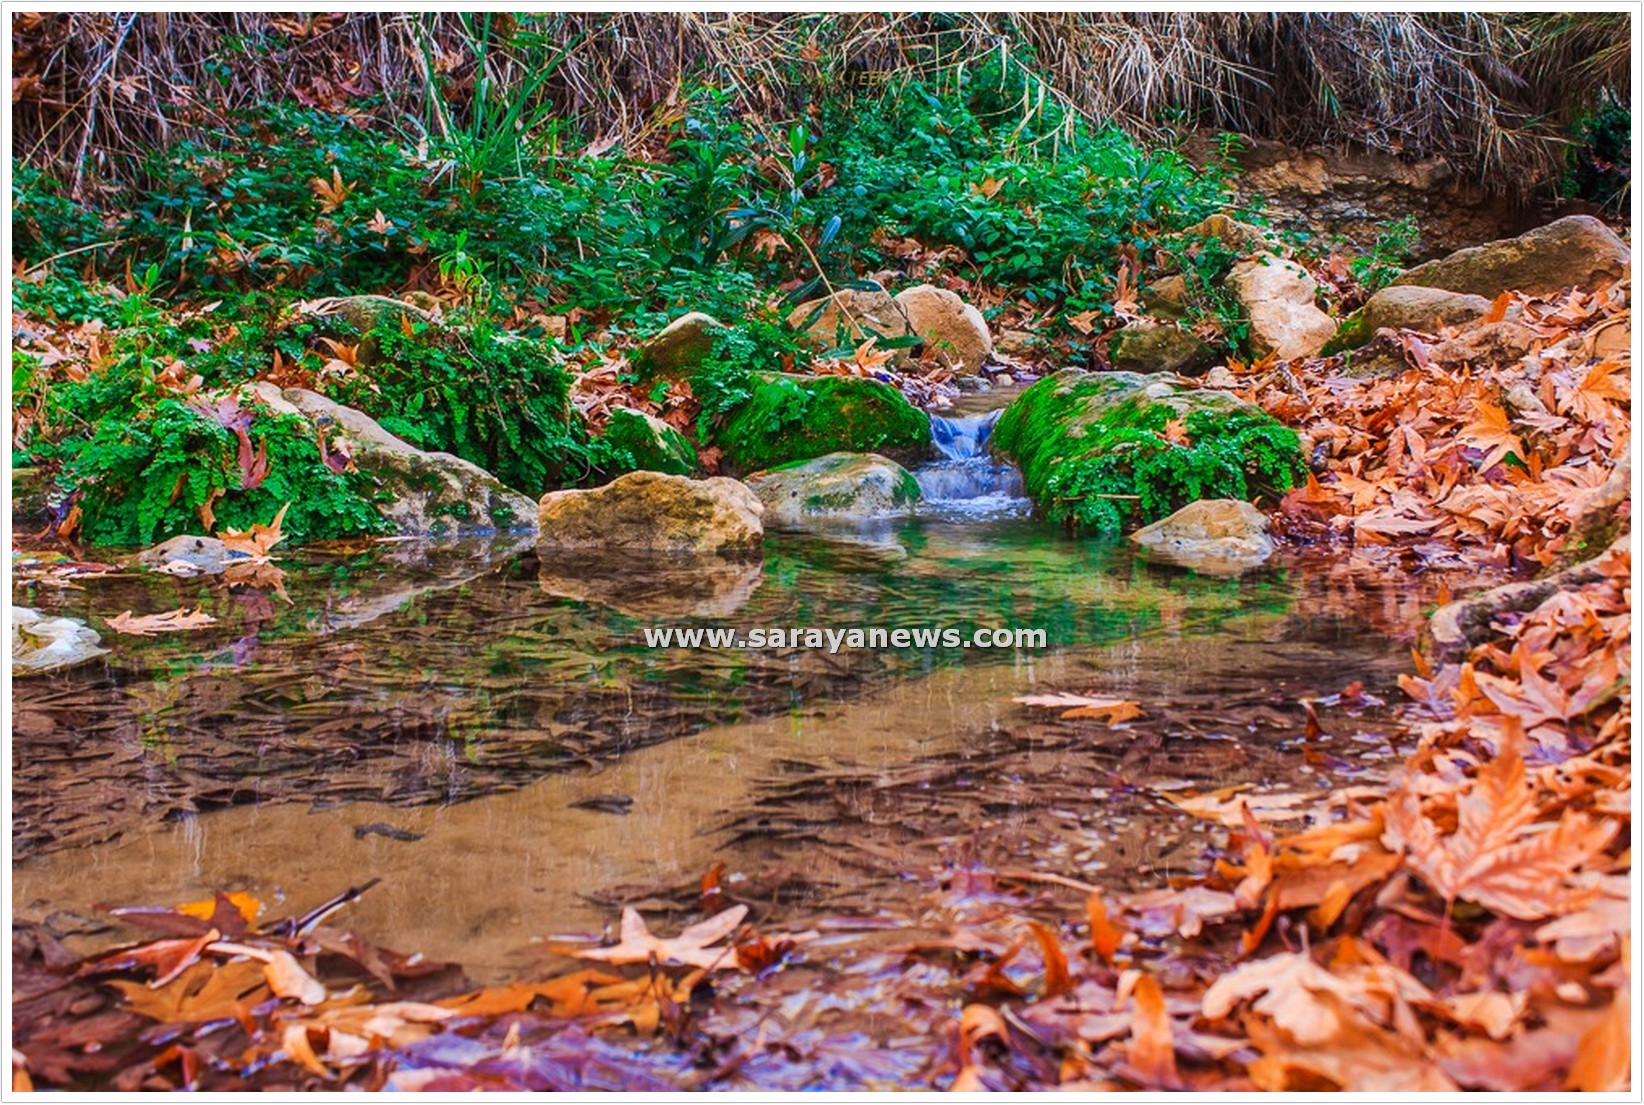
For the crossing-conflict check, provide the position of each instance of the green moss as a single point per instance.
(795, 418)
(1351, 334)
(1095, 448)
(633, 442)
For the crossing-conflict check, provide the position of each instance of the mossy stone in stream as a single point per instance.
(792, 418)
(1109, 450)
(643, 442)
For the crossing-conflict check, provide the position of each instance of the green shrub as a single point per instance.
(492, 398)
(152, 460)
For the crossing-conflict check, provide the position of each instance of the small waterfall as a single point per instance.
(966, 480)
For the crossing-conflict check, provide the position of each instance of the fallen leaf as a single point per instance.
(171, 621)
(690, 948)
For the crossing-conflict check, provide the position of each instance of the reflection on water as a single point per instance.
(463, 699)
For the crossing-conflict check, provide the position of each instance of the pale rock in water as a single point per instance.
(1278, 299)
(952, 328)
(40, 644)
(652, 510)
(839, 487)
(189, 554)
(1214, 536)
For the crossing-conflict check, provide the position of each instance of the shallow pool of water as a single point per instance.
(491, 735)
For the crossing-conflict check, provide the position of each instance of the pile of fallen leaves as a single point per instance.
(1507, 438)
(1466, 925)
(219, 1002)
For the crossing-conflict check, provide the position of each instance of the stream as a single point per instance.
(489, 734)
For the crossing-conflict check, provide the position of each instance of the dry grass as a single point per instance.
(1490, 93)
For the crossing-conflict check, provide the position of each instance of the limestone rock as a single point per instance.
(1017, 344)
(954, 329)
(680, 345)
(651, 443)
(1278, 298)
(840, 487)
(653, 510)
(1214, 536)
(1075, 428)
(1577, 251)
(1240, 237)
(428, 493)
(1159, 347)
(1408, 307)
(850, 316)
(40, 644)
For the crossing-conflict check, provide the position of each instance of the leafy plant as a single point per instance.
(488, 396)
(1389, 254)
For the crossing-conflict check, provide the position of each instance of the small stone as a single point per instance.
(188, 554)
(850, 316)
(1159, 347)
(651, 443)
(429, 494)
(1240, 237)
(1214, 536)
(653, 510)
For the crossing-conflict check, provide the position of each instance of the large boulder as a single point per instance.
(680, 345)
(1147, 346)
(837, 488)
(952, 328)
(1109, 450)
(655, 511)
(850, 316)
(41, 644)
(1278, 298)
(1216, 536)
(1407, 307)
(648, 443)
(1577, 251)
(789, 418)
(424, 494)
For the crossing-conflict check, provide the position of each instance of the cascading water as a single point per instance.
(966, 480)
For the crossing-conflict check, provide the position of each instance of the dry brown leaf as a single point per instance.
(172, 621)
(1112, 710)
(690, 948)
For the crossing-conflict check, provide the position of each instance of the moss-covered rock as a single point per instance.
(837, 488)
(643, 442)
(1108, 450)
(789, 418)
